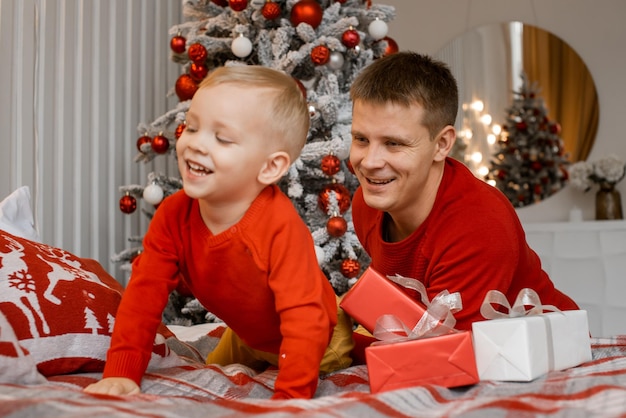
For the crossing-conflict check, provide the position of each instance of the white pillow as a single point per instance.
(16, 216)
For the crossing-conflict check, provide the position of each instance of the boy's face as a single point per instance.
(224, 145)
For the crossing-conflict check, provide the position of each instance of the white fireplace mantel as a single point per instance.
(587, 261)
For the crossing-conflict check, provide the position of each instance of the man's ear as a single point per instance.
(444, 142)
(274, 168)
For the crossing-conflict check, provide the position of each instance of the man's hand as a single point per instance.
(114, 386)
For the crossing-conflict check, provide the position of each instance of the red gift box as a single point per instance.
(447, 360)
(374, 295)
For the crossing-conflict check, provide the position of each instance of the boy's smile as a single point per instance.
(197, 169)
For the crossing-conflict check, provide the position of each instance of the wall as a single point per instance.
(76, 78)
(595, 30)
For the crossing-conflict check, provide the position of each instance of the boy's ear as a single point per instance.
(274, 168)
(445, 142)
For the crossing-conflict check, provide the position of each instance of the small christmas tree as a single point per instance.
(323, 45)
(530, 163)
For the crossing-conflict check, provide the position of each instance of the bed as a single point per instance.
(597, 388)
(56, 317)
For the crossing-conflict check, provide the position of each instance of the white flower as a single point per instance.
(579, 175)
(609, 169)
(583, 175)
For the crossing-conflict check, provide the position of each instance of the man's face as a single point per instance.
(392, 155)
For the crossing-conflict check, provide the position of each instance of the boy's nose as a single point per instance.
(197, 144)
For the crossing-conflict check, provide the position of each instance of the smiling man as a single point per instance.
(422, 214)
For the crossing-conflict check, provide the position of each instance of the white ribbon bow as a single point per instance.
(437, 320)
(525, 297)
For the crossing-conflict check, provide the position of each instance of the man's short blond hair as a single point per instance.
(289, 121)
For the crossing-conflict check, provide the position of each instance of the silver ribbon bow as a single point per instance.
(437, 320)
(525, 297)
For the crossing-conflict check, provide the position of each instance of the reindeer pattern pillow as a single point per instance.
(62, 307)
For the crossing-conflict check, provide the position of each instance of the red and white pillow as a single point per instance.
(60, 309)
(16, 216)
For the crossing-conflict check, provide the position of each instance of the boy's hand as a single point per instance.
(114, 386)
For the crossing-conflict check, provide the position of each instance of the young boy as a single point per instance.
(237, 242)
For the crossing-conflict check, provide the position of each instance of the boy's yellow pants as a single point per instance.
(231, 349)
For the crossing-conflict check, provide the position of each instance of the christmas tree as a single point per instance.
(530, 163)
(323, 45)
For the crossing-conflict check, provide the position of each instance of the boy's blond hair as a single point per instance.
(289, 121)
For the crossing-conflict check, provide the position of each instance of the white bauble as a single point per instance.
(319, 252)
(336, 60)
(378, 29)
(241, 46)
(153, 194)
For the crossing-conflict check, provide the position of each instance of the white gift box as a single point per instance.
(571, 344)
(511, 349)
(524, 348)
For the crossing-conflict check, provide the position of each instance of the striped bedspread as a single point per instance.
(596, 388)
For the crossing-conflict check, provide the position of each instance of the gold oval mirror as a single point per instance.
(489, 63)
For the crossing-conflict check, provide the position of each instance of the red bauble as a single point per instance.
(198, 71)
(145, 139)
(270, 10)
(536, 166)
(320, 55)
(222, 3)
(197, 53)
(238, 5)
(350, 268)
(350, 168)
(501, 174)
(330, 165)
(555, 128)
(185, 87)
(392, 46)
(160, 144)
(336, 226)
(341, 193)
(521, 126)
(179, 130)
(301, 87)
(350, 38)
(128, 204)
(178, 44)
(306, 11)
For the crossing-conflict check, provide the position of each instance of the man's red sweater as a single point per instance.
(471, 242)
